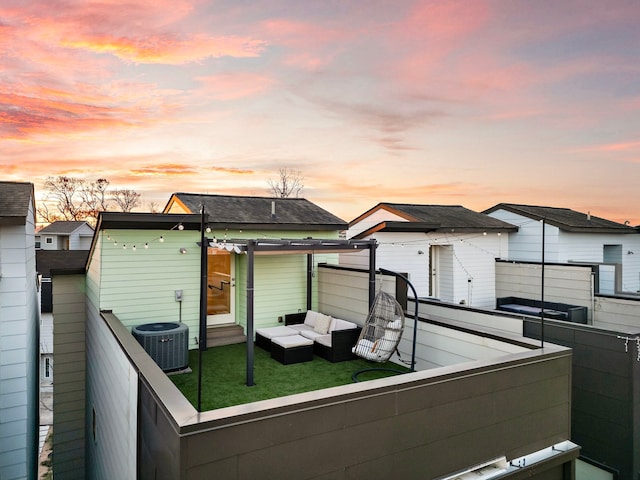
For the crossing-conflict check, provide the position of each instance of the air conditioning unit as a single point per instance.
(167, 343)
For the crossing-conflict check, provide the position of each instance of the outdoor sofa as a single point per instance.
(333, 338)
(554, 310)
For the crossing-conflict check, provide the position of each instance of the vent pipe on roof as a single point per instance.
(589, 216)
(273, 209)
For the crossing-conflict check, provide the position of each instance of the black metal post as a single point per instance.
(309, 281)
(250, 309)
(542, 287)
(384, 271)
(202, 331)
(372, 273)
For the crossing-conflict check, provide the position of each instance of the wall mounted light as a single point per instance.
(183, 250)
(420, 252)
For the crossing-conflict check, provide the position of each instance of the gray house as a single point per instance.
(19, 335)
(65, 235)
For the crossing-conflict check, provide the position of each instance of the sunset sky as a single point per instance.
(467, 102)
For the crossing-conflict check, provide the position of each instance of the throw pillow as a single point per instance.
(322, 324)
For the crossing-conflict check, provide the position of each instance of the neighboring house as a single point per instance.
(575, 237)
(242, 217)
(448, 251)
(65, 235)
(478, 401)
(19, 316)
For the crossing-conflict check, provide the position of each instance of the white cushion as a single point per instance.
(301, 327)
(310, 318)
(273, 332)
(396, 324)
(366, 349)
(290, 341)
(338, 324)
(311, 334)
(322, 324)
(324, 340)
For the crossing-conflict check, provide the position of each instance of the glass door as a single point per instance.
(220, 287)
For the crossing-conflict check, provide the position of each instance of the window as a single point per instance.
(48, 368)
(48, 240)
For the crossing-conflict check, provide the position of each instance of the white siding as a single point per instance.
(138, 286)
(567, 247)
(112, 396)
(461, 257)
(19, 351)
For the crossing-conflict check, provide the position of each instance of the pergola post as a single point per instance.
(250, 308)
(309, 281)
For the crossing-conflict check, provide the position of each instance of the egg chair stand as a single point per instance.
(383, 330)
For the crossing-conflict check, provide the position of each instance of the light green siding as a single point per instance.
(138, 285)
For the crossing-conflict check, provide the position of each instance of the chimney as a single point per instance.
(273, 209)
(588, 216)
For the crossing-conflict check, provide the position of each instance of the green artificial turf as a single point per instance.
(224, 376)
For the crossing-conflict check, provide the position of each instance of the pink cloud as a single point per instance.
(167, 48)
(232, 86)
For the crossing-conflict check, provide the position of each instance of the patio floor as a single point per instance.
(224, 376)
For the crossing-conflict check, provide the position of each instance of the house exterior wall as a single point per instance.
(138, 286)
(19, 351)
(111, 405)
(49, 242)
(69, 395)
(280, 286)
(463, 265)
(566, 247)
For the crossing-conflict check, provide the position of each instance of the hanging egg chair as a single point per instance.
(382, 329)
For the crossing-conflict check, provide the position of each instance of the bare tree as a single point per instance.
(71, 198)
(94, 197)
(126, 199)
(64, 194)
(153, 207)
(288, 184)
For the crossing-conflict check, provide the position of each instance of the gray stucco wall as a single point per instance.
(605, 391)
(432, 425)
(70, 365)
